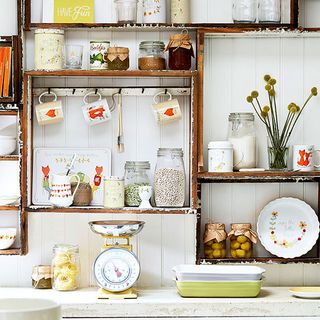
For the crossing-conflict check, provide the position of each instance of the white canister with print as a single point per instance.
(180, 11)
(96, 112)
(154, 11)
(220, 156)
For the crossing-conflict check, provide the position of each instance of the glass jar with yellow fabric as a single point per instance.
(215, 241)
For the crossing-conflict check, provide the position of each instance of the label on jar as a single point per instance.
(97, 53)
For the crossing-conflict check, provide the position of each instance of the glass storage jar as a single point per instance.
(244, 11)
(215, 241)
(42, 277)
(242, 136)
(117, 58)
(180, 51)
(269, 11)
(169, 178)
(49, 49)
(241, 240)
(151, 55)
(126, 11)
(114, 192)
(65, 267)
(136, 175)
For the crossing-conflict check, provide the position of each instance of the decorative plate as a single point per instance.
(288, 227)
(306, 292)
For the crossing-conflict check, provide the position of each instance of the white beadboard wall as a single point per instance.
(235, 67)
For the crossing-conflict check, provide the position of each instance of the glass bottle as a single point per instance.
(215, 241)
(244, 11)
(151, 55)
(169, 178)
(242, 136)
(65, 267)
(136, 175)
(269, 11)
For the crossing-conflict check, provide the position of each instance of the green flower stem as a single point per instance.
(276, 113)
(286, 129)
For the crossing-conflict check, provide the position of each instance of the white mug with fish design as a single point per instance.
(167, 111)
(96, 112)
(49, 112)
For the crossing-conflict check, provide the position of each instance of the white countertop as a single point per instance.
(272, 302)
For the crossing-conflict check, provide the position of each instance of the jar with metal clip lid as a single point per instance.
(214, 240)
(117, 58)
(151, 55)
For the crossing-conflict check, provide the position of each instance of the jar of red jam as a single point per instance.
(180, 52)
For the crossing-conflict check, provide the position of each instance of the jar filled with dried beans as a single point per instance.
(215, 241)
(180, 51)
(151, 55)
(241, 240)
(117, 58)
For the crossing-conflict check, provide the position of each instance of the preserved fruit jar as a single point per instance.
(241, 240)
(117, 58)
(215, 241)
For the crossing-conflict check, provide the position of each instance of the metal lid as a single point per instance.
(152, 44)
(113, 178)
(49, 31)
(66, 248)
(137, 164)
(170, 151)
(99, 41)
(220, 145)
(248, 116)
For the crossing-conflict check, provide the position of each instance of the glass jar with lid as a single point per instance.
(126, 11)
(136, 175)
(244, 11)
(117, 58)
(214, 240)
(242, 136)
(169, 179)
(269, 11)
(65, 267)
(151, 55)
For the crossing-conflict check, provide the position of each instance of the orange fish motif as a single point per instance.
(96, 113)
(169, 112)
(51, 113)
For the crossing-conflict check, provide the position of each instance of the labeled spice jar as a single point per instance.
(151, 55)
(169, 178)
(126, 11)
(114, 192)
(136, 175)
(98, 49)
(180, 51)
(117, 58)
(214, 240)
(65, 267)
(41, 277)
(49, 49)
(241, 240)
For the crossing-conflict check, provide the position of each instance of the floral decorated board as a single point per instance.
(90, 164)
(288, 227)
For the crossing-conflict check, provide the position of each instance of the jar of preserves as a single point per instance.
(169, 178)
(269, 11)
(49, 49)
(117, 58)
(215, 241)
(243, 138)
(151, 55)
(241, 240)
(114, 192)
(42, 277)
(65, 267)
(180, 52)
(126, 11)
(244, 11)
(136, 175)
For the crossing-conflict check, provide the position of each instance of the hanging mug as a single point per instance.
(168, 111)
(303, 158)
(49, 112)
(96, 112)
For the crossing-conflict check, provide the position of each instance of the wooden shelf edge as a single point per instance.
(269, 260)
(9, 208)
(10, 158)
(8, 112)
(10, 252)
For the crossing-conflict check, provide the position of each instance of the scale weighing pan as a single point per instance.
(114, 228)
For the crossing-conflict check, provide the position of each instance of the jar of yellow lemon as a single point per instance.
(241, 240)
(215, 241)
(65, 267)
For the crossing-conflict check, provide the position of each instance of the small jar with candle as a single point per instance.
(114, 192)
(117, 58)
(220, 156)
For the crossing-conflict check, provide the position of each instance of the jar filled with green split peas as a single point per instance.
(65, 267)
(242, 239)
(215, 241)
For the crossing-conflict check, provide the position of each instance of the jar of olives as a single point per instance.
(215, 241)
(241, 240)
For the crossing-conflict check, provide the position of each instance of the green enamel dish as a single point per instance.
(234, 289)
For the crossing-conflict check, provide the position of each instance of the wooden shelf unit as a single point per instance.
(11, 252)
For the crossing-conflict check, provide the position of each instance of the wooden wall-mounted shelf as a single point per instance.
(11, 252)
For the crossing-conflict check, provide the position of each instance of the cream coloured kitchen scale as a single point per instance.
(116, 269)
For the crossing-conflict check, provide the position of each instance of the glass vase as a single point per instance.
(278, 158)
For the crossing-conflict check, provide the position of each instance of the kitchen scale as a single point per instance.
(116, 269)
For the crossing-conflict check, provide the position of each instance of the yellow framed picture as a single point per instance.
(73, 11)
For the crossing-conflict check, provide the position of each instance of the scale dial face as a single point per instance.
(116, 269)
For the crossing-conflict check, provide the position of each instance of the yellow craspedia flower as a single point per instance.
(266, 109)
(314, 91)
(249, 99)
(268, 87)
(293, 109)
(272, 82)
(272, 93)
(255, 94)
(292, 104)
(264, 114)
(267, 77)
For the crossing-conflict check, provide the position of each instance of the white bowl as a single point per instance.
(7, 145)
(7, 200)
(29, 309)
(7, 238)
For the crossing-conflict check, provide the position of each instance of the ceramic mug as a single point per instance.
(303, 158)
(96, 112)
(167, 111)
(49, 112)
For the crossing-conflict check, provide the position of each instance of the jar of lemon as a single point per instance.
(241, 240)
(215, 241)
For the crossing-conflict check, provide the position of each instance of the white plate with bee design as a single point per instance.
(288, 227)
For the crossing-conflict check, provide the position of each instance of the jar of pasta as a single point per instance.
(65, 267)
(215, 241)
(241, 240)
